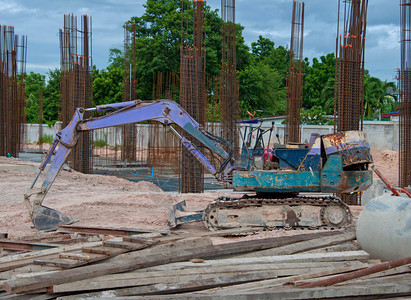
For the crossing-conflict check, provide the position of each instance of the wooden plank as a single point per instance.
(157, 255)
(304, 245)
(127, 245)
(115, 231)
(75, 256)
(181, 250)
(61, 263)
(138, 239)
(23, 246)
(287, 281)
(19, 260)
(165, 277)
(218, 233)
(177, 286)
(109, 251)
(182, 266)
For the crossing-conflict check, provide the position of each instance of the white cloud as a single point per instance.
(387, 36)
(11, 7)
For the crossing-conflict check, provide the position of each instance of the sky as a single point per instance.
(40, 20)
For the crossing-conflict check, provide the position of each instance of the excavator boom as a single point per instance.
(165, 112)
(333, 163)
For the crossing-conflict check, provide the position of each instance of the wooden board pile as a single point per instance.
(157, 266)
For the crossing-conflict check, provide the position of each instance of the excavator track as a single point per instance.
(299, 212)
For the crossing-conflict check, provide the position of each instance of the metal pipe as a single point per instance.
(359, 273)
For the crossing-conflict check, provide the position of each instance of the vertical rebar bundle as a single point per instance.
(349, 84)
(164, 146)
(192, 86)
(13, 53)
(129, 147)
(349, 75)
(405, 95)
(41, 120)
(292, 132)
(76, 83)
(228, 76)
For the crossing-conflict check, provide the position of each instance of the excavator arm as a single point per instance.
(166, 112)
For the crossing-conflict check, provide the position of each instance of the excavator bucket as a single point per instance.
(47, 219)
(179, 215)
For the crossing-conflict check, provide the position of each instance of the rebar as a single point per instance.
(163, 145)
(13, 53)
(404, 76)
(349, 76)
(192, 87)
(76, 83)
(40, 120)
(129, 131)
(292, 132)
(229, 94)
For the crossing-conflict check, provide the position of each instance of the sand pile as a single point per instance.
(387, 162)
(98, 200)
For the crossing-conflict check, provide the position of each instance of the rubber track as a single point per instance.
(238, 203)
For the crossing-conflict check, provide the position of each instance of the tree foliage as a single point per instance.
(262, 70)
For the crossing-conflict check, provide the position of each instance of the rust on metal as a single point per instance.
(292, 132)
(76, 83)
(404, 84)
(356, 274)
(13, 53)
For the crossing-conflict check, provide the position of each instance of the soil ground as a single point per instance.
(99, 200)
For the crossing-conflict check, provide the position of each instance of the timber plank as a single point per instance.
(169, 253)
(161, 254)
(109, 251)
(75, 256)
(304, 245)
(167, 277)
(61, 263)
(279, 282)
(130, 246)
(115, 231)
(19, 260)
(180, 286)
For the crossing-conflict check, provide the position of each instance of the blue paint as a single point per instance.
(142, 175)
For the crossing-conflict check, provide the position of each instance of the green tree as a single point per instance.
(158, 38)
(260, 90)
(314, 116)
(52, 97)
(377, 98)
(107, 85)
(34, 83)
(262, 47)
(316, 78)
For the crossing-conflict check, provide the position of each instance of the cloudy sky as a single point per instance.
(40, 20)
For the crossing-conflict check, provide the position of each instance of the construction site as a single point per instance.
(179, 197)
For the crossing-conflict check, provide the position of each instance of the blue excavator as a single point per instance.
(273, 180)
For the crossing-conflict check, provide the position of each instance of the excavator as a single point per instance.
(285, 187)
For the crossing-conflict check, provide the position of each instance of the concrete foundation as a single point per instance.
(384, 228)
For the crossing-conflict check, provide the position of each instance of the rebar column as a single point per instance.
(405, 95)
(192, 87)
(228, 77)
(13, 52)
(129, 131)
(349, 83)
(76, 83)
(295, 76)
